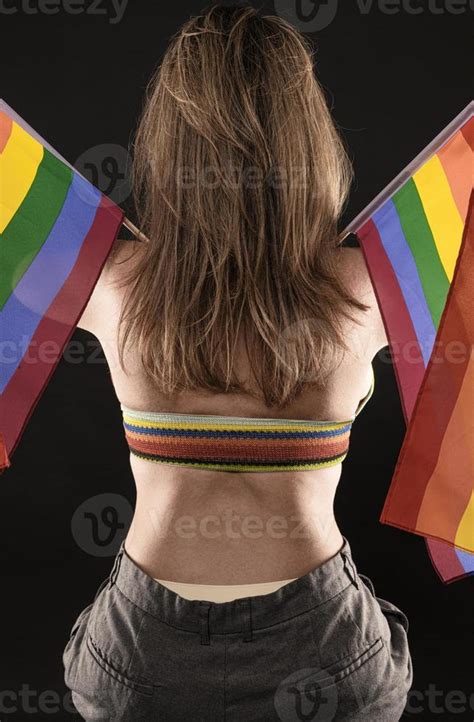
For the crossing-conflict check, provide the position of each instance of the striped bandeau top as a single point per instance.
(236, 443)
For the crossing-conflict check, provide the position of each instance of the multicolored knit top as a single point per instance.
(236, 443)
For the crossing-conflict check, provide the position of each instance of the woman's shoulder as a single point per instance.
(123, 255)
(357, 276)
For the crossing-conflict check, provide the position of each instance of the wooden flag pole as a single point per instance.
(133, 229)
(442, 138)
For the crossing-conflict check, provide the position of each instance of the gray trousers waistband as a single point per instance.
(240, 615)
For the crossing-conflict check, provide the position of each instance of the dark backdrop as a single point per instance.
(396, 77)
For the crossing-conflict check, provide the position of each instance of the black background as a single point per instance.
(394, 81)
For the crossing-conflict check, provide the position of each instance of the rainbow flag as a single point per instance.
(432, 491)
(56, 231)
(417, 241)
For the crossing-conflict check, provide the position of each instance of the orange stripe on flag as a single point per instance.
(5, 130)
(457, 160)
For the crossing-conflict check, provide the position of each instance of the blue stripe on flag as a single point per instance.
(466, 559)
(43, 280)
(399, 253)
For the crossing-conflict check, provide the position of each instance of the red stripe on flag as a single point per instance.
(468, 132)
(407, 359)
(445, 560)
(27, 384)
(420, 452)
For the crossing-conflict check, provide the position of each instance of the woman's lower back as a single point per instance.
(205, 527)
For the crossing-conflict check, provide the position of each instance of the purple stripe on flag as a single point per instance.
(466, 559)
(29, 301)
(399, 253)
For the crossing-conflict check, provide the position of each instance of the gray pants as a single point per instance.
(323, 647)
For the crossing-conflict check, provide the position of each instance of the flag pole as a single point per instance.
(134, 230)
(442, 138)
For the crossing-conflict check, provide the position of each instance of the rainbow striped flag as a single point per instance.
(417, 241)
(432, 491)
(56, 231)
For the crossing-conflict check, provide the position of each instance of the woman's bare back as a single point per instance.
(216, 527)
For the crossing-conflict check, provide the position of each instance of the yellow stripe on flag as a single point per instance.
(441, 211)
(19, 164)
(465, 534)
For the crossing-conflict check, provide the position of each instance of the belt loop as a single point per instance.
(204, 608)
(350, 569)
(116, 567)
(246, 617)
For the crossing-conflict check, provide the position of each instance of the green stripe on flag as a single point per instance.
(420, 239)
(33, 221)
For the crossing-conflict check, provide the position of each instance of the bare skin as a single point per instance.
(215, 527)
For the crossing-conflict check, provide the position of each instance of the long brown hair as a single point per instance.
(239, 179)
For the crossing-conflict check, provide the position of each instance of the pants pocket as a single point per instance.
(345, 667)
(119, 675)
(104, 692)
